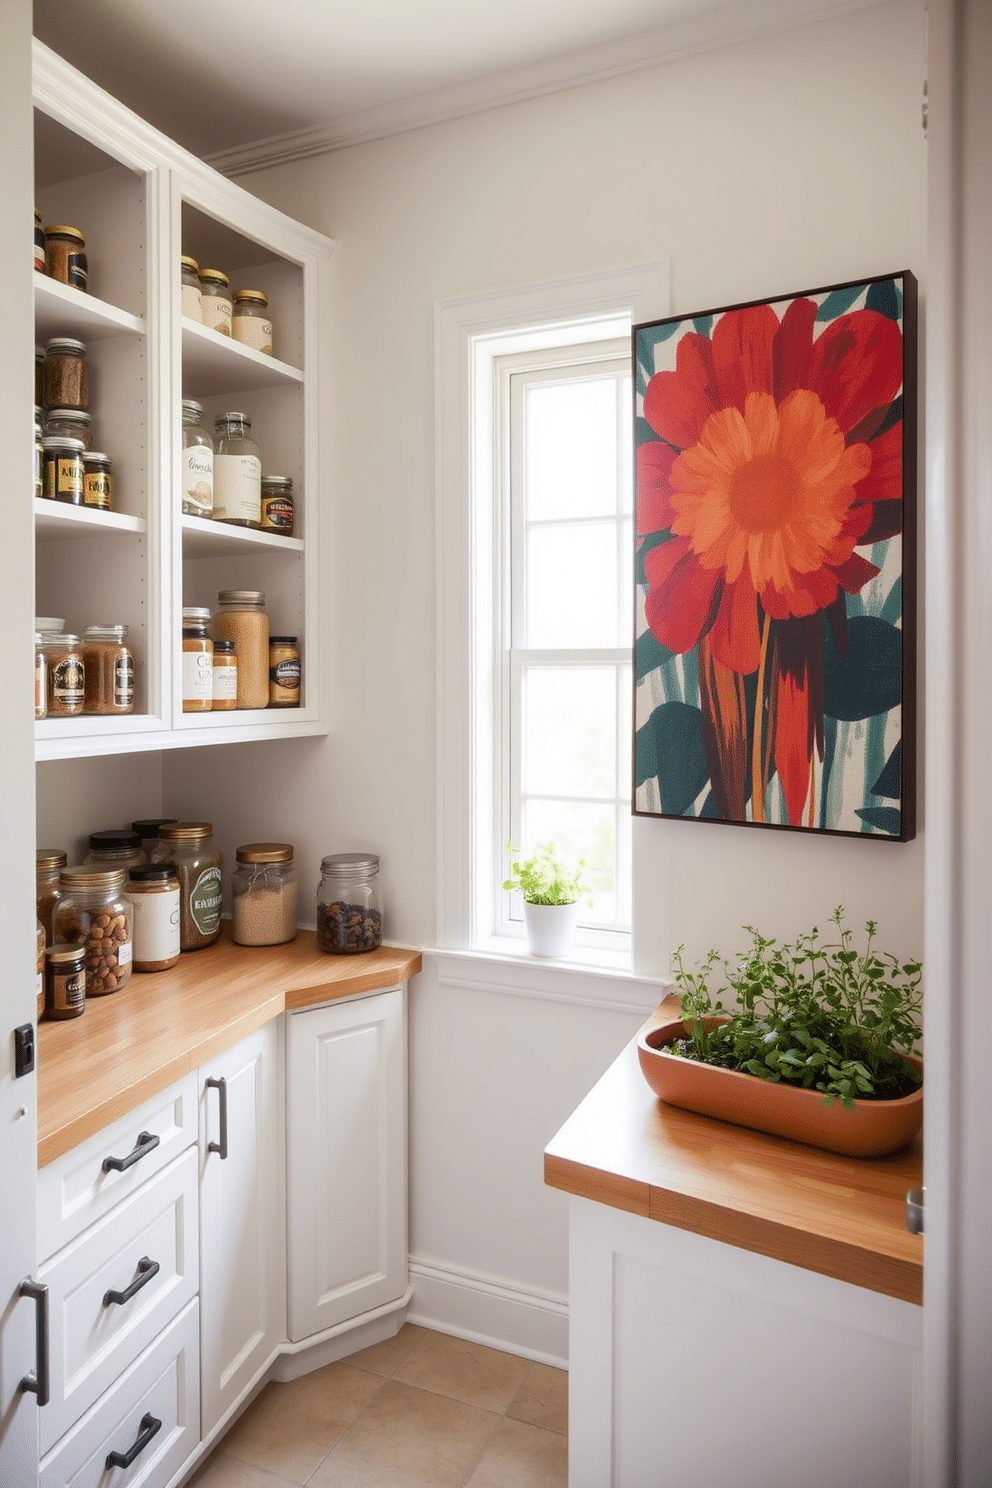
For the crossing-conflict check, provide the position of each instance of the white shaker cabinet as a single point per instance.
(242, 1219)
(346, 1161)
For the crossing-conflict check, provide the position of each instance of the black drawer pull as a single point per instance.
(149, 1426)
(220, 1085)
(146, 1270)
(147, 1142)
(38, 1381)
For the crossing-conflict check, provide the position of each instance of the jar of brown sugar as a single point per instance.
(94, 913)
(109, 670)
(66, 682)
(263, 894)
(66, 380)
(241, 618)
(65, 255)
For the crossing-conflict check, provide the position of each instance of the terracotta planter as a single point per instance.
(871, 1129)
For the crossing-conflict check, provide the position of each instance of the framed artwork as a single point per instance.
(775, 526)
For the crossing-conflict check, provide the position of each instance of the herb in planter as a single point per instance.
(543, 878)
(823, 1016)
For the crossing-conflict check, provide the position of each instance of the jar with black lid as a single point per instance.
(215, 300)
(192, 295)
(65, 255)
(153, 892)
(277, 504)
(116, 847)
(66, 379)
(62, 471)
(189, 847)
(349, 904)
(237, 472)
(147, 829)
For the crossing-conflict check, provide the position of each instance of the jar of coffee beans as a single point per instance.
(94, 913)
(349, 904)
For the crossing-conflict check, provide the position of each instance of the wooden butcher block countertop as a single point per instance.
(134, 1043)
(840, 1216)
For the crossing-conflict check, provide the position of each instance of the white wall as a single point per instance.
(783, 164)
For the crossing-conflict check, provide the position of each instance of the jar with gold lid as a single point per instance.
(277, 504)
(215, 300)
(251, 323)
(190, 848)
(241, 618)
(49, 862)
(65, 982)
(191, 292)
(65, 255)
(263, 894)
(93, 912)
(66, 681)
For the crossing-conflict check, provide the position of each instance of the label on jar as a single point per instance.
(216, 313)
(76, 272)
(225, 682)
(156, 925)
(237, 488)
(63, 479)
(192, 302)
(67, 991)
(285, 680)
(197, 677)
(67, 682)
(124, 680)
(204, 901)
(277, 514)
(198, 480)
(98, 489)
(253, 331)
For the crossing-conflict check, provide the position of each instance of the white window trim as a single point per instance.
(469, 333)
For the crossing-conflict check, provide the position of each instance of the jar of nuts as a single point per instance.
(349, 904)
(93, 912)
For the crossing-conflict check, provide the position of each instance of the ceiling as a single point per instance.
(250, 82)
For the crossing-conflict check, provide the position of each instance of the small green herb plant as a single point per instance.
(823, 1016)
(543, 878)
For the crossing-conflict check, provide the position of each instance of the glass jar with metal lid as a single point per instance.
(284, 672)
(263, 894)
(65, 982)
(237, 472)
(66, 378)
(251, 323)
(349, 904)
(98, 480)
(115, 847)
(94, 912)
(65, 255)
(198, 462)
(66, 682)
(153, 892)
(49, 862)
(215, 300)
(189, 846)
(198, 649)
(74, 422)
(40, 677)
(192, 296)
(277, 504)
(62, 470)
(109, 670)
(241, 618)
(147, 829)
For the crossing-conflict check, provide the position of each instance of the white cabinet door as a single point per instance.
(242, 1219)
(346, 1160)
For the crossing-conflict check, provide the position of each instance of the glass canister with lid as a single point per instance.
(349, 904)
(215, 300)
(153, 892)
(115, 847)
(241, 618)
(251, 323)
(65, 375)
(94, 912)
(49, 862)
(237, 471)
(190, 847)
(198, 660)
(190, 292)
(66, 682)
(198, 462)
(263, 894)
(108, 667)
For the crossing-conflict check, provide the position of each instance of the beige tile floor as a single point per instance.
(422, 1410)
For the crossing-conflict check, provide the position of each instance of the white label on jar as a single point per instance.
(198, 682)
(156, 925)
(252, 330)
(124, 680)
(225, 683)
(216, 313)
(198, 480)
(238, 488)
(123, 954)
(192, 303)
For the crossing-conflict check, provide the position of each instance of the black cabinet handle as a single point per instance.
(38, 1383)
(149, 1426)
(146, 1270)
(147, 1142)
(220, 1085)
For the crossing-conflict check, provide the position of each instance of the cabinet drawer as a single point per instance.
(162, 1384)
(94, 1336)
(75, 1190)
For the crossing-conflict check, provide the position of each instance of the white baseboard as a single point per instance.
(490, 1310)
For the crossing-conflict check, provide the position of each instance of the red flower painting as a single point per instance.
(770, 488)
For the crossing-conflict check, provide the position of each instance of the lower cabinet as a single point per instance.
(346, 1160)
(242, 1219)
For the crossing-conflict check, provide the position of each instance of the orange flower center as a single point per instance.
(764, 492)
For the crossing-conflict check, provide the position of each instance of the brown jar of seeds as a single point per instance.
(66, 378)
(241, 618)
(108, 667)
(65, 255)
(94, 913)
(66, 681)
(189, 846)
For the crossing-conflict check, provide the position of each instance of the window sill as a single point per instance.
(504, 965)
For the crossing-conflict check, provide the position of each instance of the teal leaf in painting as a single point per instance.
(869, 679)
(883, 296)
(670, 746)
(840, 300)
(649, 654)
(889, 782)
(882, 818)
(703, 324)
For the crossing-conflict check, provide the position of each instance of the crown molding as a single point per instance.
(726, 26)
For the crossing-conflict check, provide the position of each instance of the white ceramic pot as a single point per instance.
(550, 928)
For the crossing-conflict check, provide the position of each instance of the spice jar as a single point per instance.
(39, 455)
(284, 672)
(40, 677)
(49, 862)
(189, 278)
(65, 981)
(198, 648)
(215, 300)
(277, 504)
(349, 905)
(153, 892)
(189, 846)
(40, 256)
(66, 378)
(75, 422)
(62, 469)
(237, 472)
(98, 480)
(147, 829)
(65, 255)
(225, 677)
(115, 847)
(250, 320)
(241, 618)
(263, 889)
(109, 669)
(66, 683)
(40, 980)
(94, 912)
(198, 462)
